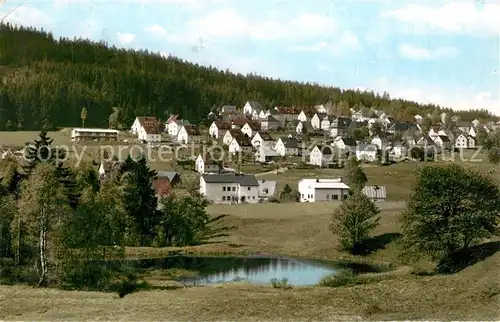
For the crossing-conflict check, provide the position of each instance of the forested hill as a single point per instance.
(46, 82)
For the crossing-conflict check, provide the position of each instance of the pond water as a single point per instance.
(256, 270)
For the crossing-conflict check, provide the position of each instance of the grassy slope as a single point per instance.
(301, 230)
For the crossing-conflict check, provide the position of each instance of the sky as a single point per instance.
(444, 52)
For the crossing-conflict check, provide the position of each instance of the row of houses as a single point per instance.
(245, 188)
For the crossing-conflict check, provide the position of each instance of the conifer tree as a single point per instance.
(140, 200)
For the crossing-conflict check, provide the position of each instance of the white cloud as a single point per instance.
(229, 24)
(125, 38)
(452, 17)
(420, 53)
(28, 16)
(89, 29)
(155, 30)
(346, 42)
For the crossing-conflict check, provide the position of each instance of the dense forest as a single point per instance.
(46, 82)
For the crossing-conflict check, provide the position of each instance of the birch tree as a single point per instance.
(43, 205)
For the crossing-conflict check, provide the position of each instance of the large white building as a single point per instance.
(230, 188)
(81, 134)
(316, 190)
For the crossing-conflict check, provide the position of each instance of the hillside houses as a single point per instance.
(250, 128)
(205, 164)
(230, 135)
(262, 138)
(322, 156)
(147, 129)
(218, 128)
(189, 134)
(229, 188)
(287, 146)
(240, 143)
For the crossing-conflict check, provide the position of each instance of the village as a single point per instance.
(253, 141)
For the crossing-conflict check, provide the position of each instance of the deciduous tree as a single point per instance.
(450, 209)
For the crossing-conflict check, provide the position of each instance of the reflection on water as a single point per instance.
(296, 272)
(257, 270)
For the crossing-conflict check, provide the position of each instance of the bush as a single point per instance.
(345, 277)
(280, 283)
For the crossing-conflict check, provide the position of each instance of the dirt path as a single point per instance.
(280, 170)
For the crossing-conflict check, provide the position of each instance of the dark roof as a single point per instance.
(265, 136)
(235, 133)
(402, 126)
(254, 125)
(223, 125)
(444, 138)
(349, 141)
(240, 122)
(290, 143)
(170, 175)
(341, 122)
(192, 129)
(242, 179)
(243, 140)
(269, 118)
(325, 149)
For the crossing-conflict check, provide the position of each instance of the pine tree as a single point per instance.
(140, 200)
(43, 152)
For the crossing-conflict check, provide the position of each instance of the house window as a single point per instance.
(335, 197)
(345, 196)
(327, 197)
(248, 188)
(223, 188)
(223, 198)
(234, 188)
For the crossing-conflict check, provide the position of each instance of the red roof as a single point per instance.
(150, 124)
(240, 122)
(162, 186)
(172, 118)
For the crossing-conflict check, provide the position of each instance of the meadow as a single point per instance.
(295, 230)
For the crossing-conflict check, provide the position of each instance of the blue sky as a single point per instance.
(441, 52)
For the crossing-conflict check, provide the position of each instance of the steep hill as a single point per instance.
(48, 81)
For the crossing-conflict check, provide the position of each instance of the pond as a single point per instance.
(252, 269)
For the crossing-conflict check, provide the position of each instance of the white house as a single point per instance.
(266, 154)
(269, 123)
(321, 156)
(287, 146)
(267, 189)
(367, 152)
(250, 128)
(339, 126)
(82, 134)
(442, 141)
(250, 107)
(218, 128)
(229, 188)
(175, 126)
(230, 135)
(206, 165)
(326, 121)
(316, 120)
(399, 150)
(303, 127)
(461, 141)
(241, 144)
(189, 134)
(262, 138)
(348, 144)
(380, 142)
(472, 131)
(316, 190)
(147, 129)
(302, 116)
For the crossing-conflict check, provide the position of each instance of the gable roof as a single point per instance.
(444, 138)
(254, 125)
(236, 133)
(150, 124)
(240, 122)
(241, 179)
(243, 140)
(341, 122)
(223, 125)
(172, 118)
(290, 143)
(325, 149)
(265, 136)
(192, 129)
(349, 141)
(266, 188)
(162, 186)
(170, 175)
(269, 118)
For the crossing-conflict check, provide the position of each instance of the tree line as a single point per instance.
(66, 227)
(46, 82)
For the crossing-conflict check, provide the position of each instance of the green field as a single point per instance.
(296, 230)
